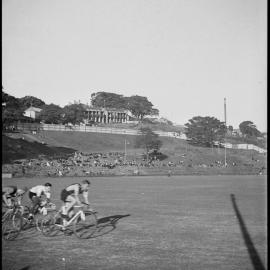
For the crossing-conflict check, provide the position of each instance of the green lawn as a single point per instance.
(179, 222)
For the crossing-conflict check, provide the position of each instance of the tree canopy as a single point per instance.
(249, 129)
(109, 100)
(51, 114)
(205, 131)
(74, 113)
(139, 106)
(148, 140)
(30, 101)
(11, 110)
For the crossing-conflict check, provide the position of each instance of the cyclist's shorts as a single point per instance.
(65, 194)
(31, 195)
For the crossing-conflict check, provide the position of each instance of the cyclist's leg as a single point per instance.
(69, 203)
(7, 201)
(32, 199)
(35, 205)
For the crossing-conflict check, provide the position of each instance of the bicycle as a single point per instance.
(35, 221)
(83, 223)
(12, 221)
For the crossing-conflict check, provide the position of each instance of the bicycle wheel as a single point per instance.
(85, 229)
(48, 227)
(11, 226)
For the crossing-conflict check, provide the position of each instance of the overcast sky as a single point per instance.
(185, 56)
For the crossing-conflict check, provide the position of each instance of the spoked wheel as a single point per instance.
(11, 226)
(85, 229)
(48, 226)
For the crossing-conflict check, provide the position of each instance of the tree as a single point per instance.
(148, 140)
(30, 101)
(74, 113)
(204, 131)
(109, 100)
(230, 128)
(140, 106)
(11, 110)
(51, 114)
(248, 129)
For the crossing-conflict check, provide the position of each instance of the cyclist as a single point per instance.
(12, 192)
(70, 196)
(35, 194)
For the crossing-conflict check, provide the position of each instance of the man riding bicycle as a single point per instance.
(35, 194)
(10, 193)
(70, 196)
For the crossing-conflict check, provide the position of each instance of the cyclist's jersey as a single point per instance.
(9, 191)
(40, 190)
(74, 189)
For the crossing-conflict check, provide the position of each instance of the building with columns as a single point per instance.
(107, 115)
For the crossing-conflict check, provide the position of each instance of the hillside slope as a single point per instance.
(53, 143)
(21, 147)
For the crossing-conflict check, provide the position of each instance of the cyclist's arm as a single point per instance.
(76, 194)
(85, 196)
(5, 199)
(48, 196)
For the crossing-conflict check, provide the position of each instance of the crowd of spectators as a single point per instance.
(111, 163)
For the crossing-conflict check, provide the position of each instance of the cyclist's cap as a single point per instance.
(48, 185)
(85, 181)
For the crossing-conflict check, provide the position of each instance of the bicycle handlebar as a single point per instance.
(81, 204)
(85, 203)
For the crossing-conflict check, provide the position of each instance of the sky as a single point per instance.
(185, 56)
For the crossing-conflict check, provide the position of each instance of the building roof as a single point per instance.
(33, 109)
(106, 109)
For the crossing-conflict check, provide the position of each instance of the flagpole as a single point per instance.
(125, 150)
(225, 162)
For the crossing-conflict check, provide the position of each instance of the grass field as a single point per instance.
(179, 222)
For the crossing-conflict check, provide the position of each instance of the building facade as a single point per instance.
(107, 115)
(32, 112)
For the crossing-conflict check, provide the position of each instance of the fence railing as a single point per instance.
(51, 127)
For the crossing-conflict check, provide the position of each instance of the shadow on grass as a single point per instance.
(25, 268)
(27, 232)
(104, 226)
(14, 149)
(253, 254)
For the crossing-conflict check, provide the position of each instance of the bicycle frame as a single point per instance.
(35, 221)
(83, 223)
(79, 213)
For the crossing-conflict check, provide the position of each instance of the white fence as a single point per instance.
(106, 130)
(244, 146)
